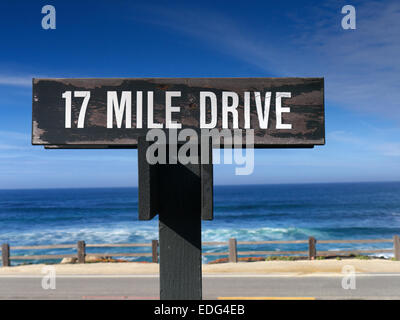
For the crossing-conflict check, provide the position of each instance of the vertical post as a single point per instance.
(232, 250)
(81, 246)
(181, 195)
(179, 209)
(154, 251)
(5, 254)
(396, 247)
(312, 249)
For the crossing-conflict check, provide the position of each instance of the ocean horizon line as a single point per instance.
(215, 185)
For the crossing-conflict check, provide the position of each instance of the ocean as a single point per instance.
(248, 213)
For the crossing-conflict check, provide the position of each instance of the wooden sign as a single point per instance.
(102, 113)
(119, 113)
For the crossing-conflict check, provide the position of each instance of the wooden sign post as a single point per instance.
(121, 113)
(181, 195)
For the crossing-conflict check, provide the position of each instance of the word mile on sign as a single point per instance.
(283, 112)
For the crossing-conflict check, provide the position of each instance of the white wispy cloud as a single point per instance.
(389, 149)
(14, 135)
(345, 137)
(361, 67)
(6, 146)
(22, 81)
(369, 143)
(14, 141)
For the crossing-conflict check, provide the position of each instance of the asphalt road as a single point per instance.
(146, 287)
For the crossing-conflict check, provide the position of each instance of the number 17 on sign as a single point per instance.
(67, 95)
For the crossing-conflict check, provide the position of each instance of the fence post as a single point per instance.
(396, 247)
(154, 250)
(81, 247)
(5, 254)
(312, 249)
(232, 250)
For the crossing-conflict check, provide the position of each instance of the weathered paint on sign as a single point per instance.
(284, 112)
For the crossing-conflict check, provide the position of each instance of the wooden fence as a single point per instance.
(232, 246)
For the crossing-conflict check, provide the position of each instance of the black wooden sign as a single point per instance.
(102, 113)
(118, 113)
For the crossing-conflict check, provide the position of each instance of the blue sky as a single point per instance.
(208, 39)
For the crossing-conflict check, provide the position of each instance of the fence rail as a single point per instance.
(232, 252)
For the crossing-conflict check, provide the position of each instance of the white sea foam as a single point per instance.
(106, 234)
(260, 234)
